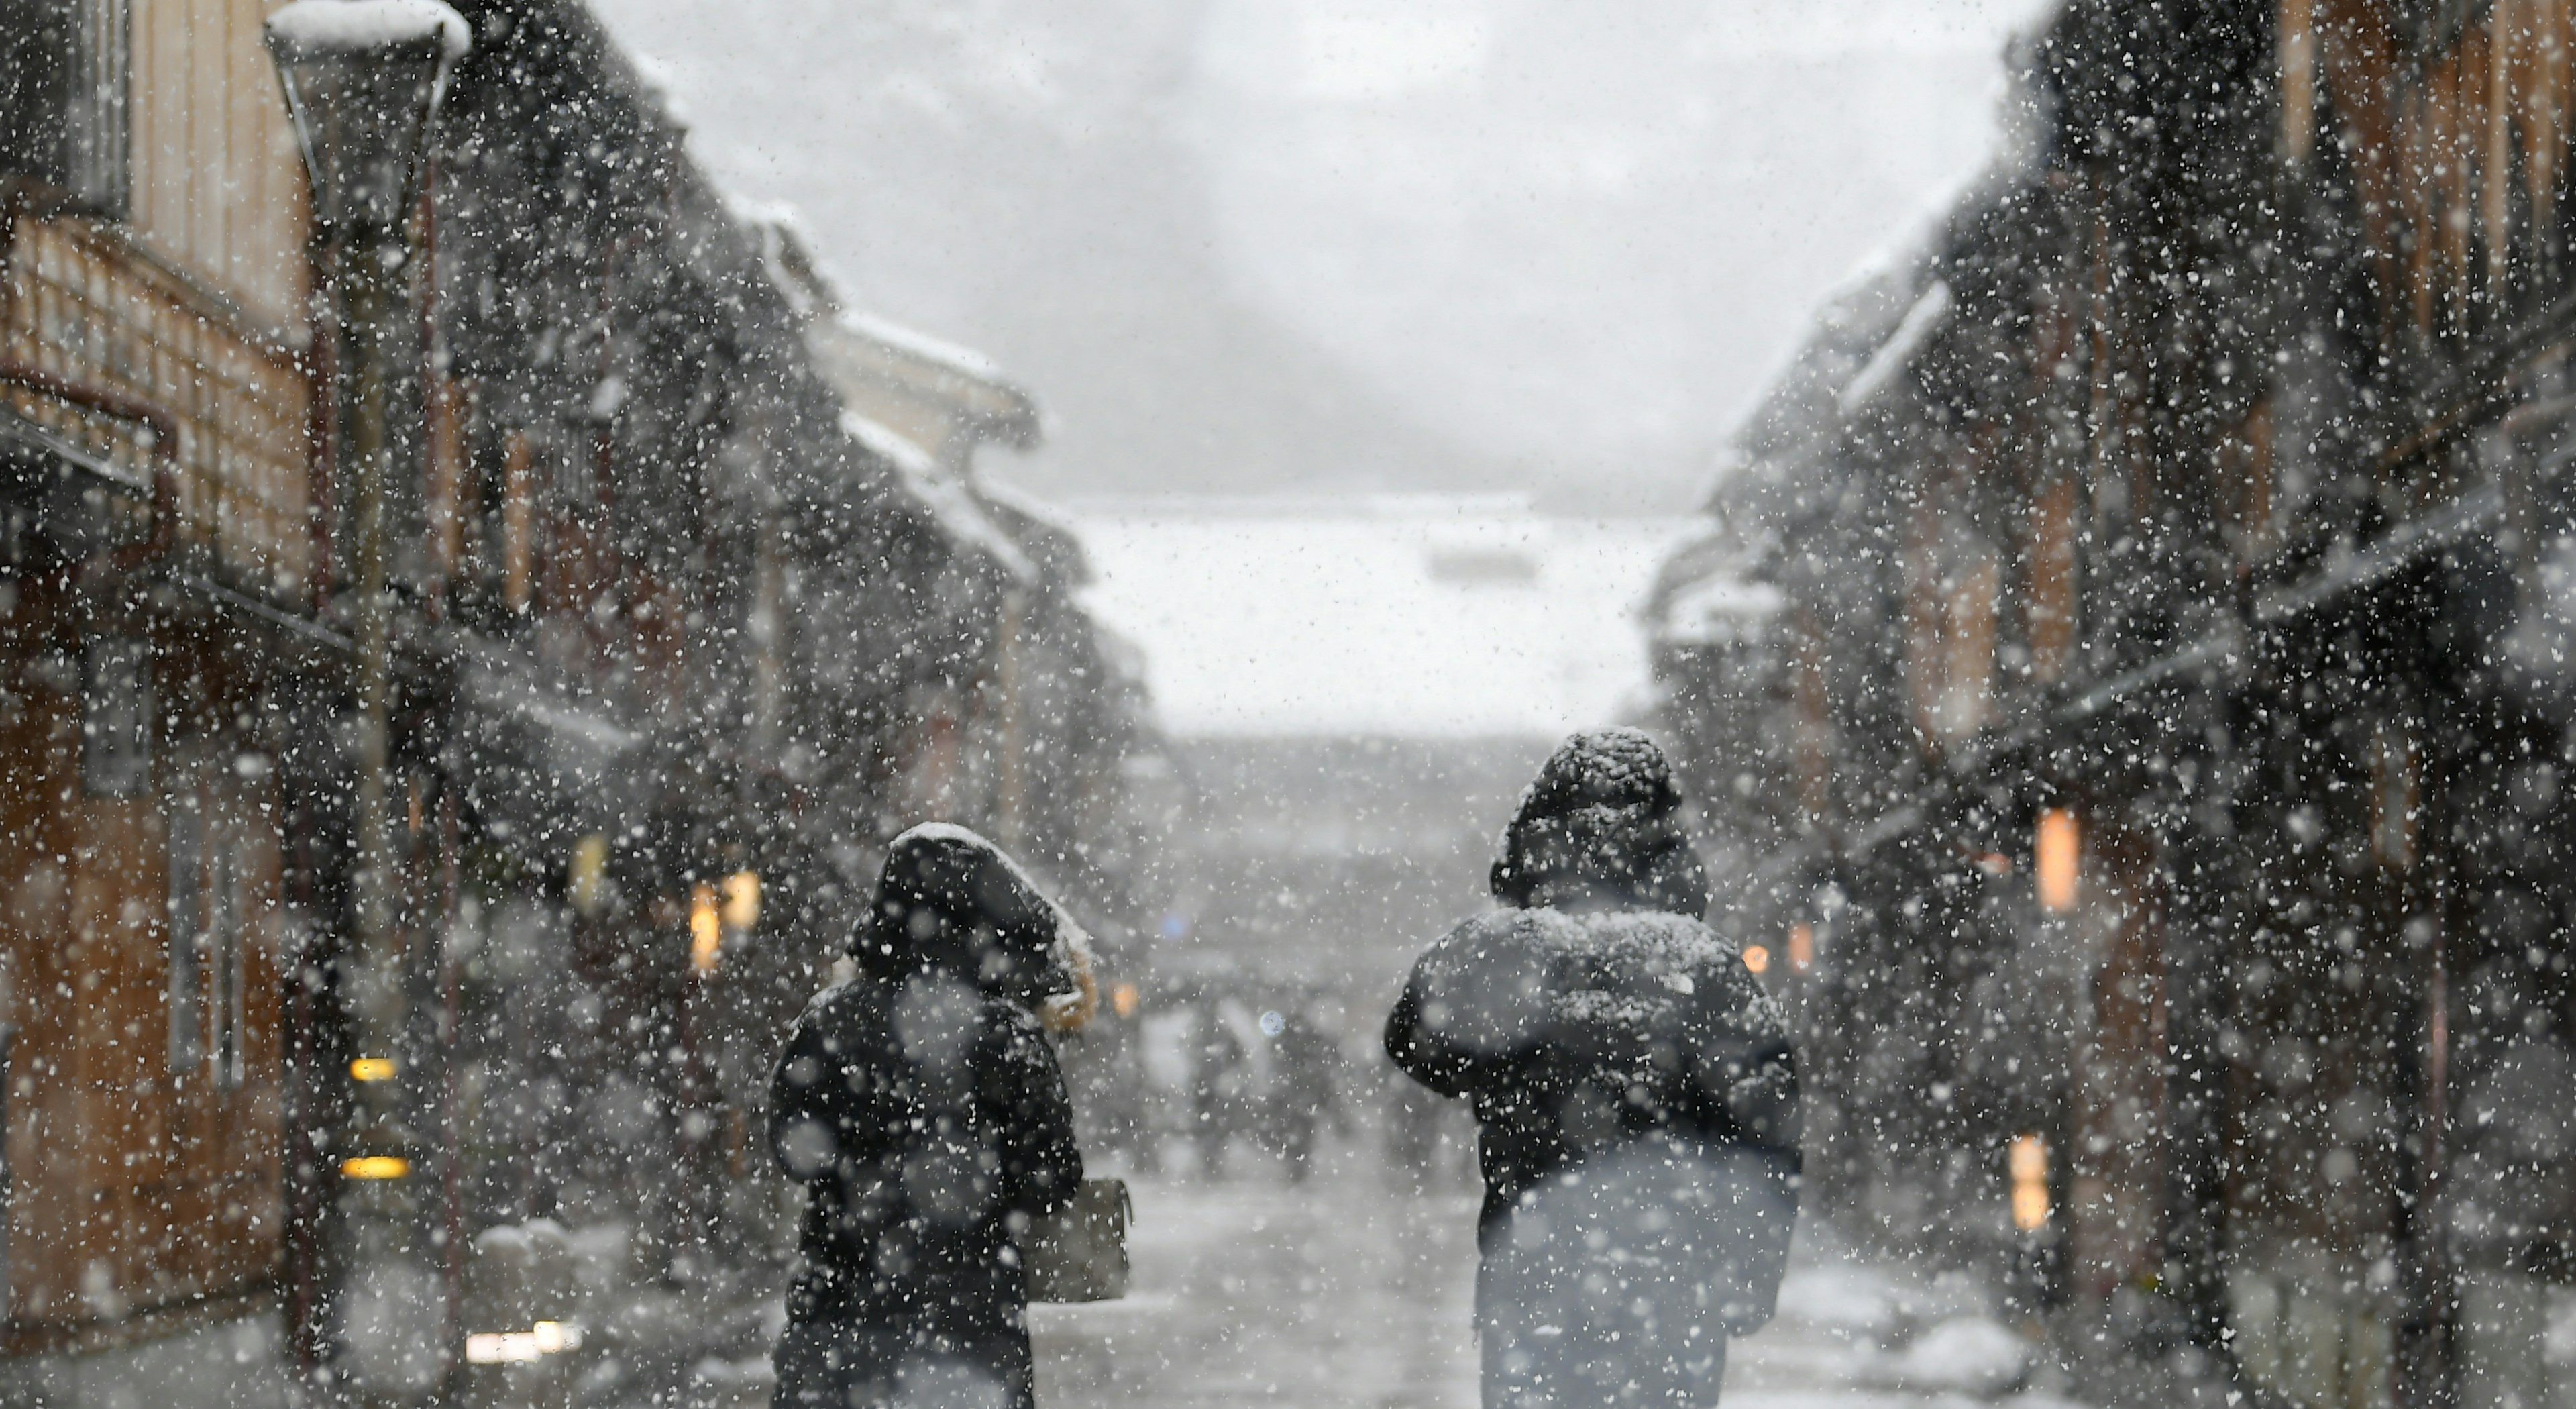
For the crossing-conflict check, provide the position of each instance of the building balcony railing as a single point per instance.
(83, 310)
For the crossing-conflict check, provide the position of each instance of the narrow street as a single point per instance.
(652, 648)
(1346, 1292)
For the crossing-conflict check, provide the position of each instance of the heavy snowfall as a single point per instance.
(979, 704)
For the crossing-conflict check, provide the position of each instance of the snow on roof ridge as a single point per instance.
(346, 26)
(1392, 505)
(1021, 501)
(906, 453)
(951, 503)
(948, 354)
(1930, 310)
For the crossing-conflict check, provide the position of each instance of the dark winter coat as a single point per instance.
(922, 1108)
(1636, 1089)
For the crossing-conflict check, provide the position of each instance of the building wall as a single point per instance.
(218, 188)
(2265, 291)
(144, 1122)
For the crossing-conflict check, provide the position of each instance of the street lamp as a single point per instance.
(363, 80)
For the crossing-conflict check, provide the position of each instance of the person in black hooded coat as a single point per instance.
(1636, 1090)
(922, 1108)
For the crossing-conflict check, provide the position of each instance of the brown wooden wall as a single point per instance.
(2116, 1189)
(139, 1182)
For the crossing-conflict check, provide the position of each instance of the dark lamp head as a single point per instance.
(363, 80)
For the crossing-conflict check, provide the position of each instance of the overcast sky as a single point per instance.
(1259, 245)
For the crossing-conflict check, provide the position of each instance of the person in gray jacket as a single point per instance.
(1636, 1090)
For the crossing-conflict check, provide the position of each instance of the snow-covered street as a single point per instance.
(1345, 1292)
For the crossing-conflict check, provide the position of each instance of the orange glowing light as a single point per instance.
(2056, 848)
(375, 1167)
(706, 929)
(1124, 1000)
(742, 900)
(1757, 958)
(371, 1069)
(1802, 946)
(2029, 1167)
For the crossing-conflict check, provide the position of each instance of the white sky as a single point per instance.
(1228, 242)
(1330, 618)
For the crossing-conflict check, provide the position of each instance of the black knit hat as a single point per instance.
(1619, 768)
(1602, 822)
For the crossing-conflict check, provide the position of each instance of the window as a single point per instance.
(116, 718)
(224, 962)
(187, 890)
(63, 111)
(207, 917)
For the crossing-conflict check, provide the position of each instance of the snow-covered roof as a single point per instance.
(1040, 527)
(1718, 611)
(1354, 616)
(964, 360)
(952, 504)
(1920, 322)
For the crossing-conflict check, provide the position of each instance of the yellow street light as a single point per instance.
(375, 1167)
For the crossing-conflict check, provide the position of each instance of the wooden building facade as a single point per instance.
(2135, 645)
(665, 625)
(159, 602)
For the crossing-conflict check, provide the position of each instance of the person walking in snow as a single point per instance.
(1636, 1091)
(1305, 1095)
(921, 1106)
(1220, 1080)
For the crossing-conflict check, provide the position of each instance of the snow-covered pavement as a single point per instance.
(1343, 1292)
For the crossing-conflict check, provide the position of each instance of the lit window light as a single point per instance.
(371, 1069)
(586, 878)
(2029, 1167)
(742, 900)
(706, 929)
(2057, 850)
(522, 1347)
(375, 1167)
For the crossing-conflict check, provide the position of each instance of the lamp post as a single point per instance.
(363, 80)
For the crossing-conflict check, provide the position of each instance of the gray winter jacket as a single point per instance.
(1597, 1019)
